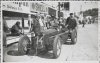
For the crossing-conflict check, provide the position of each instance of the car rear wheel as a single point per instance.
(57, 47)
(23, 44)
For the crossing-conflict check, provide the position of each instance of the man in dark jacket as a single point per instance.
(71, 22)
(71, 25)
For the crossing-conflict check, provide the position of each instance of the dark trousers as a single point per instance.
(72, 33)
(83, 25)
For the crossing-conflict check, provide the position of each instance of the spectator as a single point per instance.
(83, 22)
(5, 30)
(16, 29)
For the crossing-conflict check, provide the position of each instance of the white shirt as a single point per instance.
(40, 21)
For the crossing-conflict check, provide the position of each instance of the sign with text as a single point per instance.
(38, 7)
(10, 6)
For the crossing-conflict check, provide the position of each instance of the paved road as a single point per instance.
(86, 48)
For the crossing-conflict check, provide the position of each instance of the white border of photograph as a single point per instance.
(54, 61)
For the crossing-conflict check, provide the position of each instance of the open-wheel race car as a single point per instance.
(49, 40)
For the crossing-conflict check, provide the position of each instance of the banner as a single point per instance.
(10, 6)
(38, 7)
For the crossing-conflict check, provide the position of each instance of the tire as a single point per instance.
(57, 47)
(24, 44)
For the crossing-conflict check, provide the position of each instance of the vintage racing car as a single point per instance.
(50, 40)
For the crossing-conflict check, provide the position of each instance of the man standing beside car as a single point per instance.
(71, 24)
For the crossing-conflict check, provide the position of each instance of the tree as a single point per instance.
(91, 12)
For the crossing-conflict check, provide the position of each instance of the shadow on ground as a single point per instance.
(32, 52)
(69, 43)
(42, 54)
(14, 53)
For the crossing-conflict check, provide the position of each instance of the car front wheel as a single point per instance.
(57, 47)
(23, 44)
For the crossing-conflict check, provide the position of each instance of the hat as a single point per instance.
(71, 13)
(17, 23)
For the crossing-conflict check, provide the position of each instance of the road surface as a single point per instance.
(85, 49)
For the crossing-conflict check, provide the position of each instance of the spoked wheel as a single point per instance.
(57, 47)
(23, 44)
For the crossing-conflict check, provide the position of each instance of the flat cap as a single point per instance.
(71, 13)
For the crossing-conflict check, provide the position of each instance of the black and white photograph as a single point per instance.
(0, 32)
(35, 31)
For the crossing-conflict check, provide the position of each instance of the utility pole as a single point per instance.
(58, 10)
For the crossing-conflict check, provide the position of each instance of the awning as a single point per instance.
(14, 14)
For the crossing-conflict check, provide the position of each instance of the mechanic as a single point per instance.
(16, 29)
(71, 24)
(36, 27)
